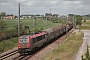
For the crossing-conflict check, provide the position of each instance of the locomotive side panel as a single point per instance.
(38, 40)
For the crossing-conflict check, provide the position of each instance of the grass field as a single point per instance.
(87, 18)
(68, 49)
(85, 26)
(40, 23)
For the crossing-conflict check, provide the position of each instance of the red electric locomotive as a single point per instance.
(28, 43)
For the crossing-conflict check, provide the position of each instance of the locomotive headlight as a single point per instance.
(19, 47)
(18, 43)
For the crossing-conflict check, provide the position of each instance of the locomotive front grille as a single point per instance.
(23, 45)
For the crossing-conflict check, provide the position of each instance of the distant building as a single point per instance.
(48, 15)
(51, 15)
(8, 17)
(31, 16)
(25, 16)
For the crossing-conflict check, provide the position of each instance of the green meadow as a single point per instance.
(40, 23)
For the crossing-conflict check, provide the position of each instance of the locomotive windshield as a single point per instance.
(23, 40)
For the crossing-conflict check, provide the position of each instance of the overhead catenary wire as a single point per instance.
(26, 8)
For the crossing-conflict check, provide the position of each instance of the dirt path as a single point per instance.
(86, 41)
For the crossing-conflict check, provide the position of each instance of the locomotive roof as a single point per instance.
(32, 36)
(24, 36)
(36, 35)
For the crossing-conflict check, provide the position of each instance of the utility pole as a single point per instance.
(83, 17)
(66, 23)
(73, 21)
(58, 19)
(18, 20)
(34, 20)
(51, 14)
(46, 22)
(50, 11)
(46, 19)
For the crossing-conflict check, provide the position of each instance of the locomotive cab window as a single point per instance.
(23, 40)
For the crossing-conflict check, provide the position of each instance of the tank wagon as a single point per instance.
(29, 43)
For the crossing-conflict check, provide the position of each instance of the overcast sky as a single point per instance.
(61, 7)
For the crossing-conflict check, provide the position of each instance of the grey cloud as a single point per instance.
(85, 2)
(42, 6)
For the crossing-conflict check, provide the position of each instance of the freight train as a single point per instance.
(29, 43)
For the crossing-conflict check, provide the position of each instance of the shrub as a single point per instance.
(3, 25)
(87, 55)
(3, 36)
(8, 44)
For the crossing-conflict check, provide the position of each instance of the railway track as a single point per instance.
(22, 57)
(37, 55)
(13, 55)
(8, 54)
